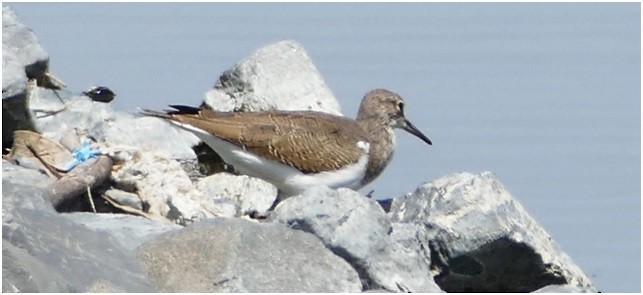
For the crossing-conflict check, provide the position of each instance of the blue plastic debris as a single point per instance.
(81, 154)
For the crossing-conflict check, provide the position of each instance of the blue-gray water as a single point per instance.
(546, 96)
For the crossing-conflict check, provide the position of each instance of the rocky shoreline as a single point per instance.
(162, 215)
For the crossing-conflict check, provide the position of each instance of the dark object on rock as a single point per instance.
(386, 204)
(100, 94)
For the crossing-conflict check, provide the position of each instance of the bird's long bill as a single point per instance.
(410, 128)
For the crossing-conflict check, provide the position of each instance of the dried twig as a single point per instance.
(91, 201)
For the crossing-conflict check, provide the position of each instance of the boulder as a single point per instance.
(235, 255)
(128, 230)
(252, 196)
(24, 188)
(280, 76)
(357, 229)
(22, 56)
(481, 239)
(59, 113)
(44, 252)
(22, 272)
(163, 186)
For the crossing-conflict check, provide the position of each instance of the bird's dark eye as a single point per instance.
(400, 106)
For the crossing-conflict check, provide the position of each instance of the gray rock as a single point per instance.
(128, 230)
(146, 134)
(59, 113)
(22, 55)
(22, 272)
(252, 195)
(357, 229)
(564, 289)
(49, 253)
(407, 236)
(234, 255)
(482, 240)
(24, 188)
(279, 76)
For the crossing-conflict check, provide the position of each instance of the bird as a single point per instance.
(296, 150)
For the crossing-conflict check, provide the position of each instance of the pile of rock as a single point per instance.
(157, 224)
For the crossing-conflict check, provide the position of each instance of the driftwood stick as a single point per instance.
(90, 173)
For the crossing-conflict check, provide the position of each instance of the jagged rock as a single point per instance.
(279, 76)
(49, 253)
(563, 289)
(482, 240)
(357, 229)
(163, 186)
(251, 195)
(235, 255)
(128, 230)
(22, 56)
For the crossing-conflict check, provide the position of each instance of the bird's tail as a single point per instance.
(166, 114)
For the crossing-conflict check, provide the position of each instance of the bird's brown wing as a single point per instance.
(309, 141)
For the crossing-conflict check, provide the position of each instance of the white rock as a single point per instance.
(279, 76)
(163, 185)
(253, 195)
(484, 239)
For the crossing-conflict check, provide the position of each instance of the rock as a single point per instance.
(146, 134)
(130, 231)
(22, 272)
(234, 255)
(124, 198)
(59, 113)
(163, 186)
(49, 253)
(564, 289)
(279, 76)
(252, 195)
(22, 56)
(24, 188)
(482, 240)
(357, 229)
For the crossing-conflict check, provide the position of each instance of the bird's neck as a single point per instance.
(382, 145)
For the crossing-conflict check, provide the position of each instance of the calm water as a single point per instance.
(546, 96)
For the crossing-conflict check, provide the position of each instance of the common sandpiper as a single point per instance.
(296, 150)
